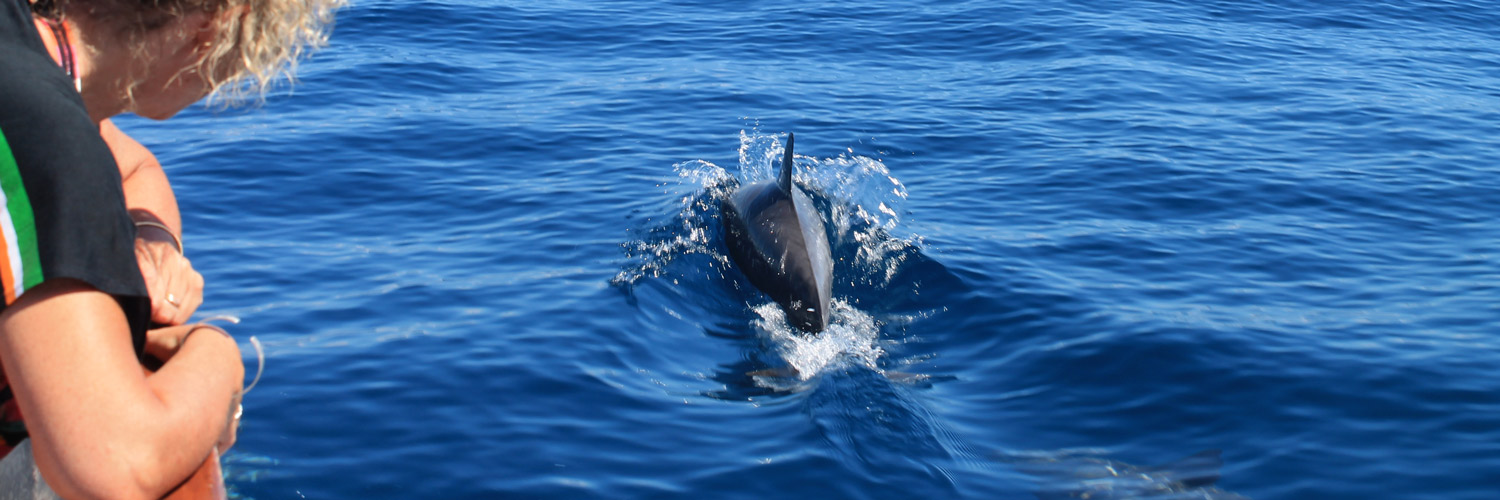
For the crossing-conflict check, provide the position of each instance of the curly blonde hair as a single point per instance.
(259, 43)
(265, 44)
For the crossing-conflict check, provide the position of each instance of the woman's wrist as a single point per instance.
(204, 326)
(157, 227)
(216, 339)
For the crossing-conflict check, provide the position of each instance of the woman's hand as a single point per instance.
(176, 288)
(163, 343)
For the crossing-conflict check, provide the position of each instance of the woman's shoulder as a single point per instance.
(45, 130)
(62, 197)
(42, 118)
(38, 101)
(32, 78)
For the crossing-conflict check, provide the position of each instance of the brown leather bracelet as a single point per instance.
(175, 240)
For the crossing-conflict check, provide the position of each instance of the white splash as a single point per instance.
(684, 232)
(852, 183)
(850, 337)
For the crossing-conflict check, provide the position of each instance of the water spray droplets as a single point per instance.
(850, 337)
(699, 185)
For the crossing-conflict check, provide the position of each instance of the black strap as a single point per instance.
(12, 432)
(64, 47)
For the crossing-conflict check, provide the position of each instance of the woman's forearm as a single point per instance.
(176, 289)
(199, 390)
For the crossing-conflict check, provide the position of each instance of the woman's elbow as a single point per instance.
(126, 478)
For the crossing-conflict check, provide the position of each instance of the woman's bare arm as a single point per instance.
(148, 192)
(100, 428)
(176, 288)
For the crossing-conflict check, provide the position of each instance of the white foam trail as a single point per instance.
(850, 337)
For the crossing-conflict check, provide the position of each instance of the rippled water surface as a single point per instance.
(1074, 241)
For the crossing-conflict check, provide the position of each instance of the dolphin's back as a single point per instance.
(815, 238)
(777, 238)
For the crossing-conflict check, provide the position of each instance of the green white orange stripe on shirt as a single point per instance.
(20, 262)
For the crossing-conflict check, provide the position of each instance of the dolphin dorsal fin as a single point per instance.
(785, 179)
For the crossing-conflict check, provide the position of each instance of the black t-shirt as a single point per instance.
(63, 211)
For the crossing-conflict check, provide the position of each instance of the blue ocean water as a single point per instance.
(1074, 240)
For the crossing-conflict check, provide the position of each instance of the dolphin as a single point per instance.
(776, 237)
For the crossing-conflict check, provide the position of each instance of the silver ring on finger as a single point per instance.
(172, 299)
